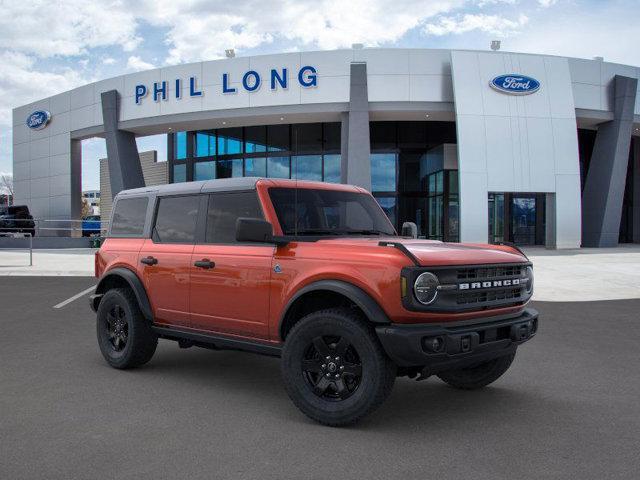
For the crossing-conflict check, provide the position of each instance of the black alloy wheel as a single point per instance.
(126, 339)
(332, 367)
(117, 327)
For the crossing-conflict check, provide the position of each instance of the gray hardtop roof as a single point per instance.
(205, 186)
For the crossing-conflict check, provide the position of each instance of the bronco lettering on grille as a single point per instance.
(489, 284)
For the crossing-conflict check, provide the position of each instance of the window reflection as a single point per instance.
(255, 139)
(204, 170)
(229, 141)
(332, 168)
(383, 172)
(278, 167)
(180, 173)
(261, 150)
(255, 167)
(180, 146)
(205, 144)
(307, 167)
(229, 168)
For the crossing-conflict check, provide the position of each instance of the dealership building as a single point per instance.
(473, 146)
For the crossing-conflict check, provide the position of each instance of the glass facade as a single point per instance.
(309, 151)
(518, 218)
(409, 177)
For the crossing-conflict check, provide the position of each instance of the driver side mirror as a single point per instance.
(253, 230)
(256, 230)
(409, 229)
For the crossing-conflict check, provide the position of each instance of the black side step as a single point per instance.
(218, 342)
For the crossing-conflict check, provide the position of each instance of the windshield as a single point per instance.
(328, 212)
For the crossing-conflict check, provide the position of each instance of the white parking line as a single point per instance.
(75, 297)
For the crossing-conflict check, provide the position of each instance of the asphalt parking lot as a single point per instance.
(568, 408)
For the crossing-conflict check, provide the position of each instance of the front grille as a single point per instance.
(489, 272)
(473, 287)
(504, 294)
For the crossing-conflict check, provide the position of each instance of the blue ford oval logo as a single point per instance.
(515, 84)
(38, 119)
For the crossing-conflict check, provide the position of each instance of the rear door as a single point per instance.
(165, 258)
(229, 280)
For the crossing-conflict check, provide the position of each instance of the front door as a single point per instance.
(523, 219)
(230, 281)
(165, 259)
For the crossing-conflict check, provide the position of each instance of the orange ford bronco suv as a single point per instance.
(313, 273)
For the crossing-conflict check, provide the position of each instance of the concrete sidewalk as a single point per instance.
(63, 262)
(586, 274)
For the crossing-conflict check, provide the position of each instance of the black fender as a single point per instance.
(362, 299)
(133, 281)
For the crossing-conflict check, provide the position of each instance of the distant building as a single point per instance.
(472, 146)
(154, 173)
(5, 200)
(93, 198)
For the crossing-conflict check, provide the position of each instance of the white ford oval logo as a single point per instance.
(515, 84)
(38, 119)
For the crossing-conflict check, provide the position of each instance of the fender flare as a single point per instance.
(362, 299)
(136, 286)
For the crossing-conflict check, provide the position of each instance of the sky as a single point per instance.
(47, 47)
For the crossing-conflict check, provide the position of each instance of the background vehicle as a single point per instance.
(91, 225)
(17, 219)
(311, 272)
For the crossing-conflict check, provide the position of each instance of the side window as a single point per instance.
(224, 209)
(176, 219)
(128, 216)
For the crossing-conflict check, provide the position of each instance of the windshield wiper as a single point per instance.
(328, 231)
(315, 231)
(366, 232)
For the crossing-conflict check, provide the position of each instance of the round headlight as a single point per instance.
(426, 288)
(529, 274)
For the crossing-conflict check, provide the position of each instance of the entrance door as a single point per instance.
(523, 219)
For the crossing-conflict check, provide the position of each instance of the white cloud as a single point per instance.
(136, 63)
(547, 3)
(108, 61)
(587, 37)
(201, 31)
(46, 29)
(491, 24)
(21, 83)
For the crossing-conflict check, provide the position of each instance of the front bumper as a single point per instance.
(441, 347)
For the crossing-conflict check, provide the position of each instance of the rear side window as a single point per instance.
(128, 216)
(224, 209)
(176, 219)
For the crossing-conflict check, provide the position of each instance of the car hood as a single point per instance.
(433, 253)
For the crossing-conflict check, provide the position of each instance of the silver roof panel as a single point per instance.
(205, 186)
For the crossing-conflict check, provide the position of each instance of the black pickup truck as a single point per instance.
(17, 219)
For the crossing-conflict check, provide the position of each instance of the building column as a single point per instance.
(636, 190)
(605, 183)
(355, 143)
(125, 170)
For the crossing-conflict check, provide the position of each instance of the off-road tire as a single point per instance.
(477, 376)
(141, 341)
(377, 371)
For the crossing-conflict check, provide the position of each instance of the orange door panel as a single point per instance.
(165, 269)
(231, 293)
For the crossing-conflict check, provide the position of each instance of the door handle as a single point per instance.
(149, 260)
(204, 263)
